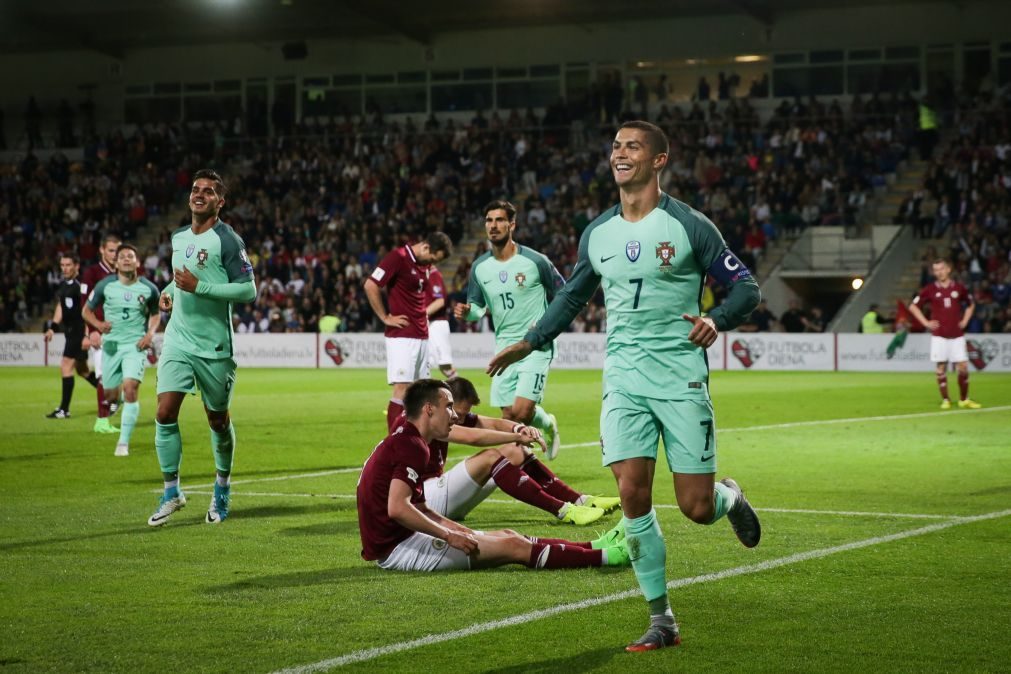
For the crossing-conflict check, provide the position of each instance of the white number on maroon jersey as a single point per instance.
(947, 302)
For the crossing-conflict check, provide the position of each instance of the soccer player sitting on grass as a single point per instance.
(131, 315)
(399, 531)
(510, 466)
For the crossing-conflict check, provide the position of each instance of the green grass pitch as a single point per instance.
(887, 539)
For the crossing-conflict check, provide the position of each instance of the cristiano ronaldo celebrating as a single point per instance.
(212, 271)
(651, 254)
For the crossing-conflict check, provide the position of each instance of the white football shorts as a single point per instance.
(421, 552)
(455, 493)
(406, 360)
(945, 350)
(439, 350)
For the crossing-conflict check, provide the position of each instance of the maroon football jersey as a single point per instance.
(405, 281)
(436, 291)
(402, 455)
(439, 450)
(89, 279)
(947, 304)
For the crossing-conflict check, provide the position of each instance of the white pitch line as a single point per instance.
(828, 422)
(479, 628)
(742, 429)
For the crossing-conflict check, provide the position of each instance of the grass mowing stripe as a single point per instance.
(479, 628)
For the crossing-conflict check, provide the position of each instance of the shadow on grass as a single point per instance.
(139, 530)
(319, 506)
(28, 457)
(351, 574)
(335, 528)
(1003, 489)
(245, 474)
(581, 662)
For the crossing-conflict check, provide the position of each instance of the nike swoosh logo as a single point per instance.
(605, 259)
(706, 458)
(485, 282)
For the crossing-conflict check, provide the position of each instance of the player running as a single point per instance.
(130, 306)
(951, 307)
(514, 284)
(212, 271)
(651, 253)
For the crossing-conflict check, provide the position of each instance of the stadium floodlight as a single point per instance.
(857, 283)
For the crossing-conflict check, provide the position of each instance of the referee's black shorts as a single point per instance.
(72, 347)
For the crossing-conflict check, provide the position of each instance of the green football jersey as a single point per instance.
(127, 306)
(201, 325)
(652, 271)
(516, 292)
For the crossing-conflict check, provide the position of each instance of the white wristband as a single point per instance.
(518, 428)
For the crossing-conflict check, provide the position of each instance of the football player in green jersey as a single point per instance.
(130, 304)
(212, 271)
(514, 284)
(651, 254)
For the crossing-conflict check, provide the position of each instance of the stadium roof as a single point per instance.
(114, 27)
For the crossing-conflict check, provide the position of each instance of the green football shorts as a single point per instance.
(525, 379)
(184, 373)
(121, 361)
(631, 426)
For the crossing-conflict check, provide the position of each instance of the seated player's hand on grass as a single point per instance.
(165, 302)
(185, 280)
(703, 332)
(508, 356)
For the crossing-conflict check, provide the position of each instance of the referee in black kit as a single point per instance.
(68, 316)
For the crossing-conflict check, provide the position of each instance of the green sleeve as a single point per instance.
(475, 297)
(711, 251)
(240, 291)
(567, 304)
(550, 278)
(97, 296)
(233, 255)
(152, 301)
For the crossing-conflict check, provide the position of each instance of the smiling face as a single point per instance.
(633, 162)
(205, 202)
(498, 226)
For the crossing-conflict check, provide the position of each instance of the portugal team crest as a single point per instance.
(189, 250)
(520, 278)
(503, 276)
(632, 250)
(202, 258)
(665, 253)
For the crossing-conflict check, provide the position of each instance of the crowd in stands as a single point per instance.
(319, 208)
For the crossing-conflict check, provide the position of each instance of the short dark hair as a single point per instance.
(73, 257)
(211, 174)
(655, 136)
(501, 204)
(463, 391)
(127, 246)
(439, 241)
(942, 260)
(420, 393)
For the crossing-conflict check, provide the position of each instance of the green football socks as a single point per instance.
(648, 551)
(130, 413)
(223, 444)
(724, 498)
(168, 444)
(541, 420)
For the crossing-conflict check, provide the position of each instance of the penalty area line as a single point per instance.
(480, 628)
